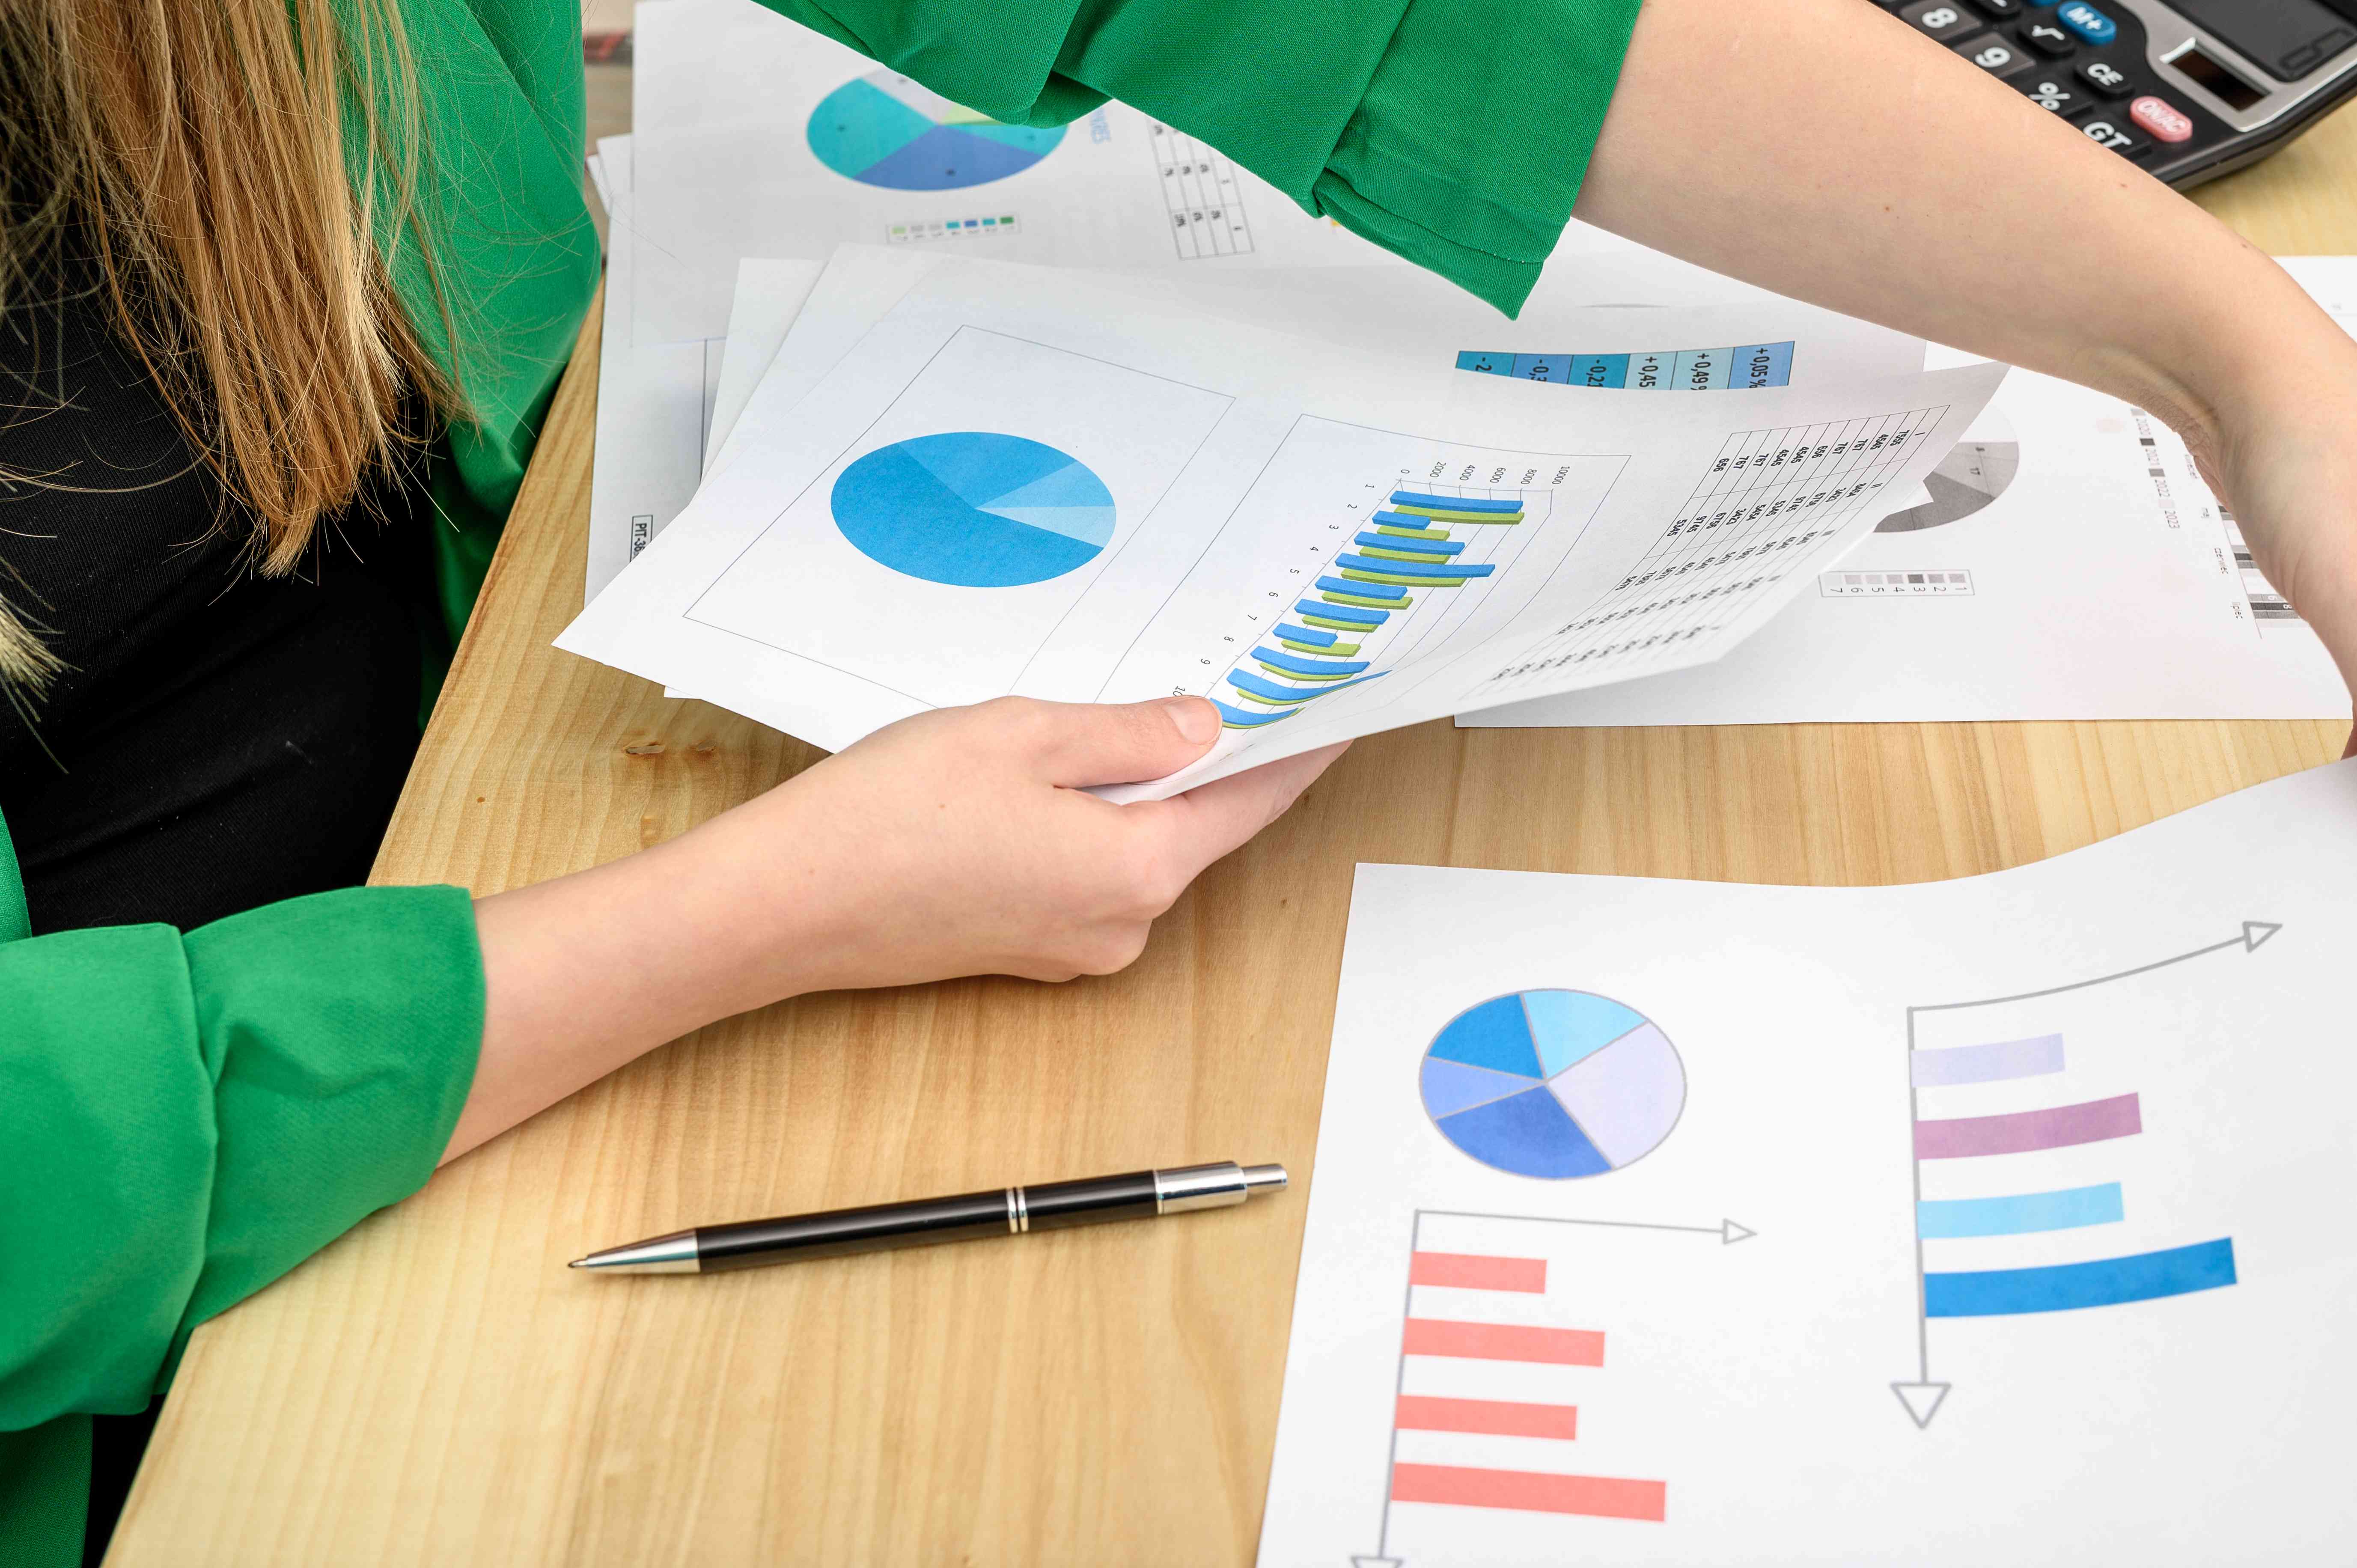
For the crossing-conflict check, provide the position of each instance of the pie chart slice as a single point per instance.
(885, 129)
(1553, 1084)
(973, 508)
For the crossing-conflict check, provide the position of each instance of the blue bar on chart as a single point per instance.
(1453, 503)
(1237, 718)
(1269, 690)
(1433, 569)
(2020, 1214)
(2065, 1287)
(1315, 668)
(1761, 365)
(1303, 634)
(1991, 1063)
(1360, 590)
(1418, 546)
(1741, 367)
(1313, 610)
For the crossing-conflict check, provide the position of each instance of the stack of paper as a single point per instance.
(756, 141)
(949, 409)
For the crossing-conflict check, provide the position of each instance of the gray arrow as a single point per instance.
(1727, 1231)
(1923, 1397)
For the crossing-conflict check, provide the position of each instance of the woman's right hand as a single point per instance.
(959, 841)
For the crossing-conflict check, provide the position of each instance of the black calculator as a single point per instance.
(2189, 90)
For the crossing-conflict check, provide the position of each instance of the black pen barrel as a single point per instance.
(881, 1227)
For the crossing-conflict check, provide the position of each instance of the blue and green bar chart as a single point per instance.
(1410, 551)
(1742, 367)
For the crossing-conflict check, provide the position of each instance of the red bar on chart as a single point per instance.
(1506, 1418)
(1503, 1342)
(1470, 1270)
(1533, 1491)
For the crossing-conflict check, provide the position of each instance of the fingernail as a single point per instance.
(1193, 718)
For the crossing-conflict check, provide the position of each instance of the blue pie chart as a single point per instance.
(885, 129)
(973, 508)
(1553, 1084)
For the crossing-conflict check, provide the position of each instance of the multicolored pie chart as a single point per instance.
(886, 130)
(1554, 1084)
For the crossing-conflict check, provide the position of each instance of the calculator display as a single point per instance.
(2288, 38)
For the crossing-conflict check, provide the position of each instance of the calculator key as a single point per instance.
(2000, 10)
(2165, 119)
(2054, 93)
(2087, 22)
(2048, 37)
(1995, 55)
(2106, 79)
(1941, 19)
(2106, 131)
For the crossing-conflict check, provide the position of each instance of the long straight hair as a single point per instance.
(239, 172)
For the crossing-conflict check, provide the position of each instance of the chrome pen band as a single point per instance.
(1219, 1185)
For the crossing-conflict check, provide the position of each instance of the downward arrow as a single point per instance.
(1921, 1399)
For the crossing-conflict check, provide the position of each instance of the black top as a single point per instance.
(219, 740)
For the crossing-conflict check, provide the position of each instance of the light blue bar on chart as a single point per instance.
(1760, 365)
(1991, 1063)
(2065, 1209)
(1485, 364)
(1703, 370)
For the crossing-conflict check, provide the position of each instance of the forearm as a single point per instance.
(1824, 149)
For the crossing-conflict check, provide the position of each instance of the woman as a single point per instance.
(283, 307)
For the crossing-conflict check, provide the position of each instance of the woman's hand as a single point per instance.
(960, 841)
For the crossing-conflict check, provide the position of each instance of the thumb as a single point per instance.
(1127, 742)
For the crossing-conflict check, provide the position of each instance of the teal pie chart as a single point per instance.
(884, 129)
(973, 508)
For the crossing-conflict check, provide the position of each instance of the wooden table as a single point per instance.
(437, 1388)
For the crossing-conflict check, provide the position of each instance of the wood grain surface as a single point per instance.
(437, 1388)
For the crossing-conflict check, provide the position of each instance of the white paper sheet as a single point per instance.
(770, 294)
(1228, 472)
(2073, 567)
(1764, 1331)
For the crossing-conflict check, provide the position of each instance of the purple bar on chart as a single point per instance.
(2056, 1127)
(1985, 1064)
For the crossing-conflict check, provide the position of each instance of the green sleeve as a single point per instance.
(188, 1117)
(1453, 132)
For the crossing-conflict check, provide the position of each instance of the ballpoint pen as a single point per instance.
(968, 1216)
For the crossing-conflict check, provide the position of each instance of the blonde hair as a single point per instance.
(239, 173)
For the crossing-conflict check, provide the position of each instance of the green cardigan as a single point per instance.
(186, 1117)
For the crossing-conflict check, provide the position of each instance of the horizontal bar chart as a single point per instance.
(2054, 1127)
(1504, 1342)
(1533, 1491)
(1991, 1063)
(1497, 1418)
(2066, 1287)
(2020, 1214)
(1468, 1270)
